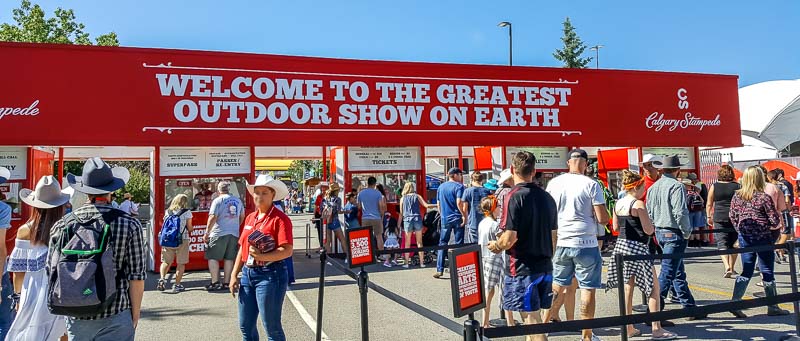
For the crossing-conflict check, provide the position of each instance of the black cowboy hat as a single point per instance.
(99, 178)
(668, 162)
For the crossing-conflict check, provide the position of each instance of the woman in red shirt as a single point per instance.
(264, 280)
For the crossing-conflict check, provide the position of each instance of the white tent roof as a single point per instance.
(770, 112)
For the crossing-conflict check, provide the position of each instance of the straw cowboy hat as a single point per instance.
(47, 194)
(99, 178)
(688, 182)
(264, 180)
(5, 174)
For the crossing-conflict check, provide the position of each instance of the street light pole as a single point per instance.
(510, 41)
(596, 50)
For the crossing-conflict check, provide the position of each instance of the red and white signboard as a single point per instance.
(466, 280)
(361, 247)
(145, 97)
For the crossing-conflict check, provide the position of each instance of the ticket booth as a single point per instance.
(550, 161)
(27, 165)
(392, 167)
(195, 172)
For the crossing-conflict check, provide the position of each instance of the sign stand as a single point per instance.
(321, 296)
(361, 252)
(466, 285)
(363, 279)
(793, 276)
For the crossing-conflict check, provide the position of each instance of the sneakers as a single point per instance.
(437, 275)
(594, 338)
(405, 266)
(387, 264)
(421, 265)
(214, 287)
(394, 262)
(178, 288)
(161, 285)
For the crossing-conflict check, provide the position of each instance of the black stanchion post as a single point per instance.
(793, 275)
(308, 240)
(362, 290)
(471, 329)
(621, 294)
(320, 298)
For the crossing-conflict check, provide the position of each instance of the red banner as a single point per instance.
(82, 95)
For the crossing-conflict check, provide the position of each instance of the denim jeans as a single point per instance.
(766, 259)
(118, 328)
(262, 291)
(444, 238)
(673, 273)
(7, 313)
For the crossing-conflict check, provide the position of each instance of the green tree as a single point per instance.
(299, 168)
(138, 186)
(573, 48)
(32, 26)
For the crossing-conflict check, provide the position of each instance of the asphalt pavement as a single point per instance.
(411, 305)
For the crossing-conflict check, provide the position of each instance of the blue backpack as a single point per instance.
(171, 235)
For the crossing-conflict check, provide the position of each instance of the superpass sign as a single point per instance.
(132, 96)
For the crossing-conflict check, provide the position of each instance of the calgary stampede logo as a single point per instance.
(657, 122)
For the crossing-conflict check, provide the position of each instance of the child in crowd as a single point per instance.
(351, 211)
(488, 229)
(392, 242)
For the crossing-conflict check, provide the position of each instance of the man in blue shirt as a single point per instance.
(6, 289)
(453, 215)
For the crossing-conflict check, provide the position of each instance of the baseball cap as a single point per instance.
(454, 171)
(578, 153)
(648, 158)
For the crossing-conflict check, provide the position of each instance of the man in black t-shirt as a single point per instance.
(529, 223)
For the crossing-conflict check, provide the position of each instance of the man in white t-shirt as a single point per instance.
(581, 207)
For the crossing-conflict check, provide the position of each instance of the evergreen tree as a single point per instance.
(573, 48)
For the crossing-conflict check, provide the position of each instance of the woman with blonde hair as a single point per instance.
(754, 215)
(178, 207)
(411, 218)
(27, 262)
(635, 229)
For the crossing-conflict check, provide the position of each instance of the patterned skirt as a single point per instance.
(641, 269)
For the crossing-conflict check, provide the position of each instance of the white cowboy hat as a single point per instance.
(281, 191)
(5, 174)
(504, 175)
(796, 177)
(48, 194)
(648, 158)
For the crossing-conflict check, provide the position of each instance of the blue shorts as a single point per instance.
(698, 219)
(585, 264)
(528, 293)
(334, 225)
(411, 226)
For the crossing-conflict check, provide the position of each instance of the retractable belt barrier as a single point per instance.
(367, 251)
(622, 319)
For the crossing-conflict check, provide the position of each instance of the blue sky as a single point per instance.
(753, 39)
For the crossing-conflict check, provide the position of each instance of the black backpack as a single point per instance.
(82, 278)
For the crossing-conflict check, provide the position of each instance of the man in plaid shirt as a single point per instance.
(118, 322)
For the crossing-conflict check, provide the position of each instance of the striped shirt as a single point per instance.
(127, 243)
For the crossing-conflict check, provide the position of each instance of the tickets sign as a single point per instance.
(466, 280)
(361, 248)
(15, 159)
(547, 158)
(384, 159)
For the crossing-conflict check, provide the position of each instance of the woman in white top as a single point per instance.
(180, 207)
(27, 262)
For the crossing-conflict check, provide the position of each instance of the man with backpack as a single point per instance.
(108, 243)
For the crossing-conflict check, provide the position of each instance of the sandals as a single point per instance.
(162, 285)
(636, 333)
(665, 336)
(214, 287)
